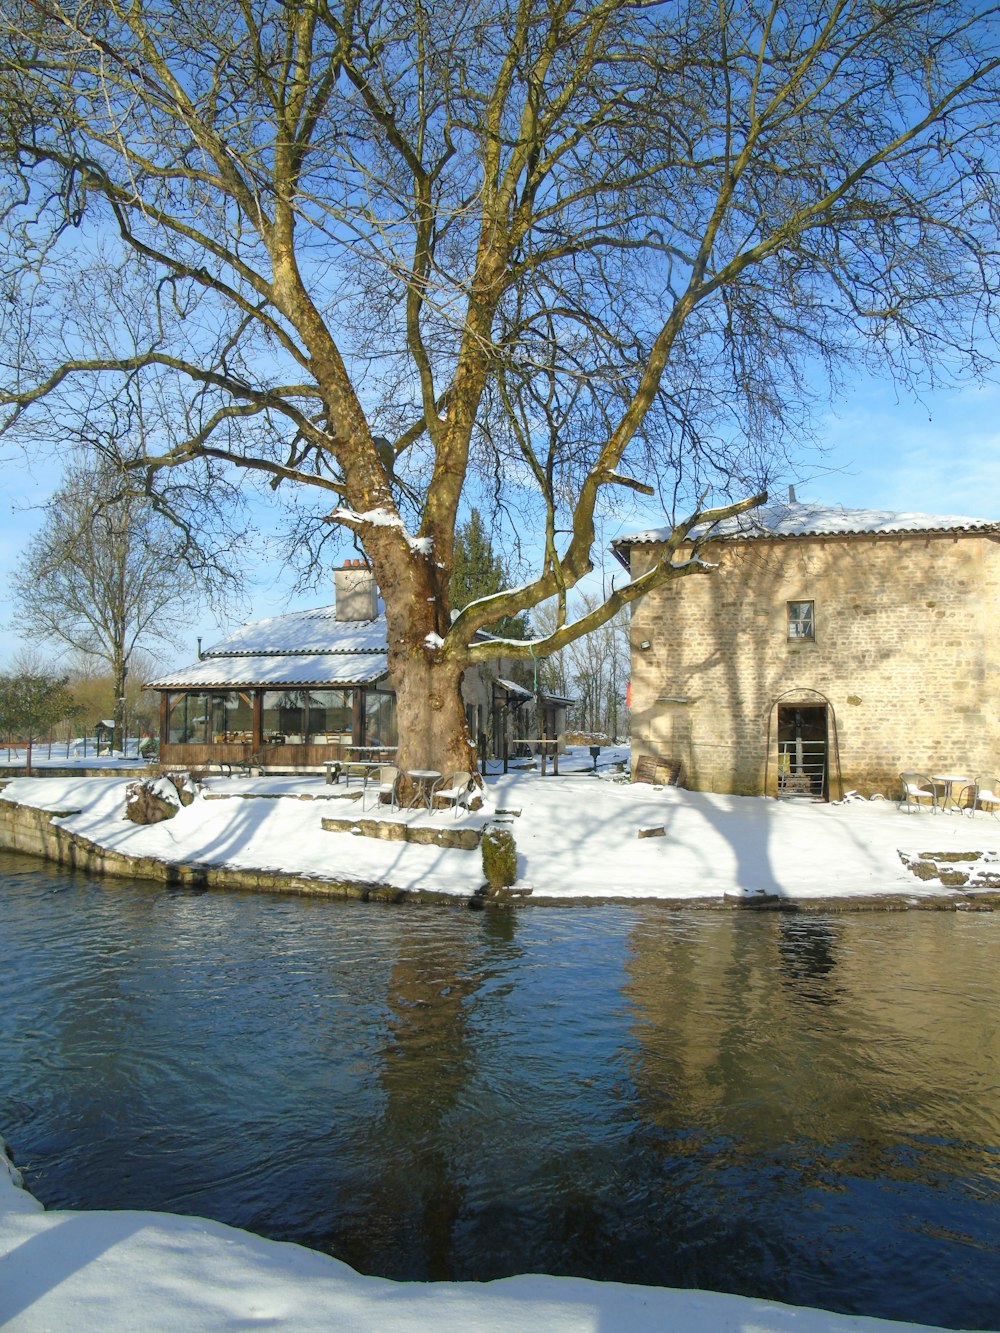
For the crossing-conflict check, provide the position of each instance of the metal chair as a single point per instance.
(918, 791)
(984, 795)
(454, 788)
(384, 783)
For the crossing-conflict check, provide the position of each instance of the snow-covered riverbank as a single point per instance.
(578, 836)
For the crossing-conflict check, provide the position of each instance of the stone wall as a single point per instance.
(25, 829)
(905, 651)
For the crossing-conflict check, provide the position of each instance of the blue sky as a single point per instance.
(939, 456)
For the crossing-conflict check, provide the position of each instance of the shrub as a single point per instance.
(499, 857)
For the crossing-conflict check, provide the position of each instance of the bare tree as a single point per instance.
(593, 668)
(567, 250)
(102, 576)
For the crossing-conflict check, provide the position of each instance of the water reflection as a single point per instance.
(807, 955)
(805, 1108)
(426, 1058)
(854, 1092)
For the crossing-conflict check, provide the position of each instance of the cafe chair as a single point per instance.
(453, 789)
(984, 795)
(918, 792)
(383, 783)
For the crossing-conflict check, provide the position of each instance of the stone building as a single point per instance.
(829, 650)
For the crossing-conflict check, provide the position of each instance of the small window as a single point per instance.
(801, 620)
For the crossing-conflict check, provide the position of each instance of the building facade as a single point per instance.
(295, 691)
(829, 650)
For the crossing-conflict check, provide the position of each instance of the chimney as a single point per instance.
(355, 592)
(791, 496)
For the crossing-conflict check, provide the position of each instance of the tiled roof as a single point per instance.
(315, 631)
(274, 669)
(798, 519)
(303, 648)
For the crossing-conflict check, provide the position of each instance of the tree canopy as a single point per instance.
(556, 253)
(31, 703)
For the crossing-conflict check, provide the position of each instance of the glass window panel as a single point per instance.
(196, 717)
(284, 716)
(177, 718)
(801, 620)
(330, 715)
(380, 718)
(232, 717)
(193, 728)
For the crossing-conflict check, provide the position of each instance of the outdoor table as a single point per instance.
(948, 781)
(361, 768)
(423, 780)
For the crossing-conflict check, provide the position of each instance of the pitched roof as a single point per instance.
(799, 519)
(523, 695)
(302, 648)
(314, 631)
(277, 669)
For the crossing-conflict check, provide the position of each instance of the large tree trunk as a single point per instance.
(430, 713)
(433, 734)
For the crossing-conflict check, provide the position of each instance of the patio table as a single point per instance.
(423, 780)
(948, 781)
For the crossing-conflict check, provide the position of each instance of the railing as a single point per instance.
(801, 768)
(273, 754)
(82, 747)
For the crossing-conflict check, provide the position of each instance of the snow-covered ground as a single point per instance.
(577, 836)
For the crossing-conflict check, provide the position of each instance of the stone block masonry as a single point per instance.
(904, 658)
(29, 830)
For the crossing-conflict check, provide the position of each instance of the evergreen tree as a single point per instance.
(479, 572)
(31, 704)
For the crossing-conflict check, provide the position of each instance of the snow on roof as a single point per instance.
(512, 687)
(799, 519)
(524, 694)
(277, 669)
(301, 648)
(314, 631)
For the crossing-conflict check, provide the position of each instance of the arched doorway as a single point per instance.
(802, 743)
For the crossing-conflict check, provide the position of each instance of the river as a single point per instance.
(800, 1107)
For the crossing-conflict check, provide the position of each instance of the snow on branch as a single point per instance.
(381, 518)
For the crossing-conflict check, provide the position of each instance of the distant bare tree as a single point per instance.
(593, 669)
(102, 576)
